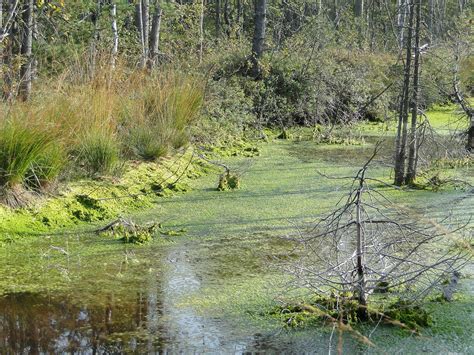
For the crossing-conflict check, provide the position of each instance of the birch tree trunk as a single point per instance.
(115, 34)
(259, 36)
(155, 35)
(412, 154)
(141, 32)
(2, 33)
(26, 72)
(401, 15)
(10, 48)
(146, 31)
(402, 131)
(466, 107)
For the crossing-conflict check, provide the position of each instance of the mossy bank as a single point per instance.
(93, 201)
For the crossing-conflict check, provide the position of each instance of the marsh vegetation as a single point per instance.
(236, 176)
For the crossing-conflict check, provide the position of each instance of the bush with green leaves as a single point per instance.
(228, 111)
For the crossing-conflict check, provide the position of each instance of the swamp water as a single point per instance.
(206, 291)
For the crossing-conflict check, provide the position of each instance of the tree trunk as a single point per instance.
(218, 18)
(239, 17)
(412, 154)
(259, 36)
(227, 17)
(155, 35)
(142, 31)
(359, 8)
(201, 32)
(402, 131)
(402, 7)
(470, 136)
(9, 49)
(95, 37)
(466, 107)
(2, 33)
(361, 291)
(26, 50)
(115, 34)
(146, 30)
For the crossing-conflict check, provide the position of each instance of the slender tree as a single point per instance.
(155, 35)
(402, 130)
(145, 31)
(201, 31)
(218, 17)
(259, 36)
(115, 34)
(26, 71)
(412, 153)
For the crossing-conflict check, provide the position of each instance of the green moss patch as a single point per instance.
(91, 201)
(228, 181)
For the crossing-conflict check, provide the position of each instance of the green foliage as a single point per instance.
(98, 153)
(158, 119)
(227, 112)
(400, 313)
(129, 232)
(174, 233)
(317, 310)
(26, 151)
(228, 181)
(47, 167)
(335, 86)
(413, 316)
(138, 236)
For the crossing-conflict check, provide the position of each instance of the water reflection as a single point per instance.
(145, 319)
(32, 323)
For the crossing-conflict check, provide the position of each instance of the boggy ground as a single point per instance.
(210, 289)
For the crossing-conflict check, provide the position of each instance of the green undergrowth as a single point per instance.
(228, 181)
(96, 200)
(92, 201)
(231, 246)
(320, 310)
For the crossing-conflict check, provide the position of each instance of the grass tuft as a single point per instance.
(98, 153)
(25, 157)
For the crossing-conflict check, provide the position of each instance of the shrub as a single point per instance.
(227, 112)
(98, 153)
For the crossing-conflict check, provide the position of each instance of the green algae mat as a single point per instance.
(206, 284)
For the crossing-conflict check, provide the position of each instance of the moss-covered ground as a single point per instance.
(83, 203)
(210, 286)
